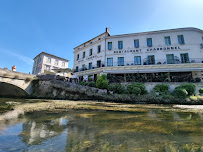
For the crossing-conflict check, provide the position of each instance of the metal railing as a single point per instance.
(143, 62)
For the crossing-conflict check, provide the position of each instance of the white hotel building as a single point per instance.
(175, 51)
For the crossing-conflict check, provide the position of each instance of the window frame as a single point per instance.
(168, 41)
(90, 52)
(136, 43)
(109, 64)
(83, 54)
(110, 48)
(140, 60)
(120, 45)
(123, 62)
(151, 42)
(98, 48)
(89, 65)
(182, 40)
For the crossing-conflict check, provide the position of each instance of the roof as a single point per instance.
(52, 56)
(106, 32)
(155, 32)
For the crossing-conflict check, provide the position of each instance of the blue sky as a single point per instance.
(28, 27)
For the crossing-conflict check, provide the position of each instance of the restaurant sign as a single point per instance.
(148, 50)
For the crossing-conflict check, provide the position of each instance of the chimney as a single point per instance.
(107, 30)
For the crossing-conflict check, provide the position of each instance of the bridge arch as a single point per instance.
(9, 89)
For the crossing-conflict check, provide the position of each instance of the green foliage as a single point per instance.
(141, 86)
(116, 88)
(136, 91)
(102, 82)
(201, 90)
(190, 88)
(161, 88)
(181, 93)
(91, 84)
(83, 83)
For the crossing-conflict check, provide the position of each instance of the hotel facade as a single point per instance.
(175, 51)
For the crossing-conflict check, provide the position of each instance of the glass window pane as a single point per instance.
(120, 44)
(109, 61)
(151, 59)
(170, 58)
(90, 65)
(137, 60)
(109, 45)
(136, 43)
(167, 40)
(181, 39)
(149, 42)
(120, 61)
(184, 58)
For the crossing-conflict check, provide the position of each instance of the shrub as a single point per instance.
(141, 86)
(161, 88)
(181, 93)
(83, 83)
(136, 91)
(190, 88)
(91, 84)
(201, 90)
(102, 82)
(116, 88)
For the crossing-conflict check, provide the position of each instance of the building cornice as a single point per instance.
(157, 32)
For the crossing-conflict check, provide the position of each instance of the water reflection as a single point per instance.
(81, 131)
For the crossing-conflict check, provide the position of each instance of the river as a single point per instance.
(148, 129)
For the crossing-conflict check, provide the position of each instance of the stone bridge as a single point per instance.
(15, 83)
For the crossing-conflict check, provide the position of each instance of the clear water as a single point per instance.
(149, 129)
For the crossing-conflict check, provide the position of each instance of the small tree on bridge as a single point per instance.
(102, 82)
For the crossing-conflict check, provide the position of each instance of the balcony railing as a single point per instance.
(143, 62)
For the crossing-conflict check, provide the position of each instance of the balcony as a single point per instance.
(141, 64)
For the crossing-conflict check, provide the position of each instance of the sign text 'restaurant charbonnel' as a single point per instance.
(148, 50)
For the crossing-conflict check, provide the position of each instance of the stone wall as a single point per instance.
(64, 90)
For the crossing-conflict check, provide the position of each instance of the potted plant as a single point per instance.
(201, 91)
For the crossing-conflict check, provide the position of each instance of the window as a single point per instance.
(47, 68)
(120, 61)
(78, 56)
(63, 64)
(83, 55)
(83, 66)
(184, 58)
(99, 49)
(167, 40)
(109, 45)
(136, 43)
(170, 58)
(56, 62)
(137, 60)
(181, 39)
(149, 42)
(151, 59)
(76, 69)
(109, 62)
(99, 63)
(120, 44)
(90, 65)
(48, 60)
(90, 52)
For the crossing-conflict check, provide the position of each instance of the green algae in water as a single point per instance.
(148, 129)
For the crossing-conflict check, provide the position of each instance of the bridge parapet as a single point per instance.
(15, 75)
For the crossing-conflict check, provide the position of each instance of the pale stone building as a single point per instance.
(175, 51)
(45, 63)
